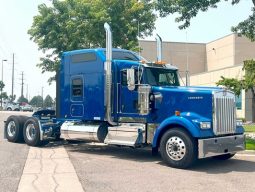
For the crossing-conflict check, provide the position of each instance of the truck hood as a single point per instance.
(197, 100)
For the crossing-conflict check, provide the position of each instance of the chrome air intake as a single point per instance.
(224, 116)
(108, 74)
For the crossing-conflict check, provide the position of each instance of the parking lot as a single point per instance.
(109, 168)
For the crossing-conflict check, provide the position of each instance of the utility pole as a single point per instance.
(22, 84)
(27, 93)
(42, 97)
(12, 75)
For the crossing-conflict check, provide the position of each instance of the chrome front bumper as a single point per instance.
(220, 146)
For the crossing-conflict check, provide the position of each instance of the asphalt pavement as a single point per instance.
(12, 158)
(109, 168)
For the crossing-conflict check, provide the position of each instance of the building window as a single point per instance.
(239, 102)
(77, 85)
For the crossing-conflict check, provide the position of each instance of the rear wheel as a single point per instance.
(13, 129)
(178, 149)
(31, 132)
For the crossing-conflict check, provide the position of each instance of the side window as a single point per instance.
(124, 78)
(84, 57)
(77, 87)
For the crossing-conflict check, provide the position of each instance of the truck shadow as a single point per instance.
(209, 165)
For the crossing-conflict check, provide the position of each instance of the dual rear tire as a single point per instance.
(22, 128)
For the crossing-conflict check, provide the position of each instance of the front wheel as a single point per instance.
(178, 149)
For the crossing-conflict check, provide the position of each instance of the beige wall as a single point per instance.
(220, 53)
(177, 54)
(244, 49)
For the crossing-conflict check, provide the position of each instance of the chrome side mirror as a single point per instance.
(131, 79)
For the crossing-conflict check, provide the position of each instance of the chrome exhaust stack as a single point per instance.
(159, 48)
(108, 74)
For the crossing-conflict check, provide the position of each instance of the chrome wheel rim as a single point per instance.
(175, 148)
(11, 128)
(30, 132)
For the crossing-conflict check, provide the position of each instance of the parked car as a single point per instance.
(27, 108)
(11, 106)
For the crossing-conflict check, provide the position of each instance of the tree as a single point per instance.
(76, 24)
(247, 83)
(4, 95)
(1, 91)
(22, 99)
(188, 9)
(48, 101)
(36, 101)
(1, 85)
(12, 98)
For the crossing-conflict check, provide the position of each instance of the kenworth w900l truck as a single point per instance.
(115, 97)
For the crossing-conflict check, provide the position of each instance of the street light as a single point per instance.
(2, 81)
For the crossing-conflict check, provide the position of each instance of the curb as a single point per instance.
(247, 152)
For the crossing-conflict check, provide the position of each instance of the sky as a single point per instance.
(16, 18)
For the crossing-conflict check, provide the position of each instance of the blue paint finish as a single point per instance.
(194, 103)
(176, 120)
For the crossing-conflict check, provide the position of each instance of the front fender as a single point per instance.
(175, 120)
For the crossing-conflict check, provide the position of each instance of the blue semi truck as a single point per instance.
(116, 97)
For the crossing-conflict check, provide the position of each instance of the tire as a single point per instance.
(9, 109)
(31, 132)
(178, 149)
(13, 128)
(225, 156)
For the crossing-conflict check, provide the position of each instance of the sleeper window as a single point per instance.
(77, 85)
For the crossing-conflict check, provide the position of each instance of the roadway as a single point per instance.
(108, 168)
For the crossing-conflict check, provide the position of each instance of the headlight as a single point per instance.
(239, 123)
(205, 125)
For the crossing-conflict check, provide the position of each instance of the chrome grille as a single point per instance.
(224, 113)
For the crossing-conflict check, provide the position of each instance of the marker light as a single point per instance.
(160, 62)
(205, 125)
(177, 113)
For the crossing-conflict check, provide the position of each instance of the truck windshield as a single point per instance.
(161, 77)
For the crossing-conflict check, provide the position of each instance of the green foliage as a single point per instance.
(249, 128)
(76, 24)
(12, 98)
(2, 85)
(247, 82)
(250, 144)
(3, 95)
(22, 99)
(231, 84)
(249, 77)
(48, 101)
(36, 101)
(187, 9)
(247, 27)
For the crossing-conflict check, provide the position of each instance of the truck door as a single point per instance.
(128, 99)
(77, 92)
